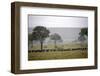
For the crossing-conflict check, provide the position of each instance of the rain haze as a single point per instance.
(68, 27)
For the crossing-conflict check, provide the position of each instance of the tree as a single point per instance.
(40, 33)
(83, 33)
(55, 37)
(81, 38)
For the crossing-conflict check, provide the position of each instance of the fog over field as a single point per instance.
(67, 27)
(67, 34)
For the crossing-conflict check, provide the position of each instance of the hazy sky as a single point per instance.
(67, 27)
(57, 21)
(67, 34)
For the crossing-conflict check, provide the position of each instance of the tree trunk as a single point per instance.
(41, 45)
(55, 44)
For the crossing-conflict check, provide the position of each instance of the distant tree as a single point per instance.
(82, 35)
(81, 38)
(84, 31)
(40, 33)
(55, 37)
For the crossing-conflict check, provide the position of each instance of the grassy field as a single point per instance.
(57, 55)
(66, 54)
(64, 46)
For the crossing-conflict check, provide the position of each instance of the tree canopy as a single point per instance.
(56, 37)
(40, 33)
(84, 31)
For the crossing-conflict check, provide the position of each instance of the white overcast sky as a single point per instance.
(57, 21)
(67, 27)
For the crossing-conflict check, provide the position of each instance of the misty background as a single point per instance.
(67, 27)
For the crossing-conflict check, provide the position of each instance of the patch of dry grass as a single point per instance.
(57, 55)
(71, 54)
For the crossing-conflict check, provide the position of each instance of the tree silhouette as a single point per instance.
(55, 37)
(40, 33)
(83, 33)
